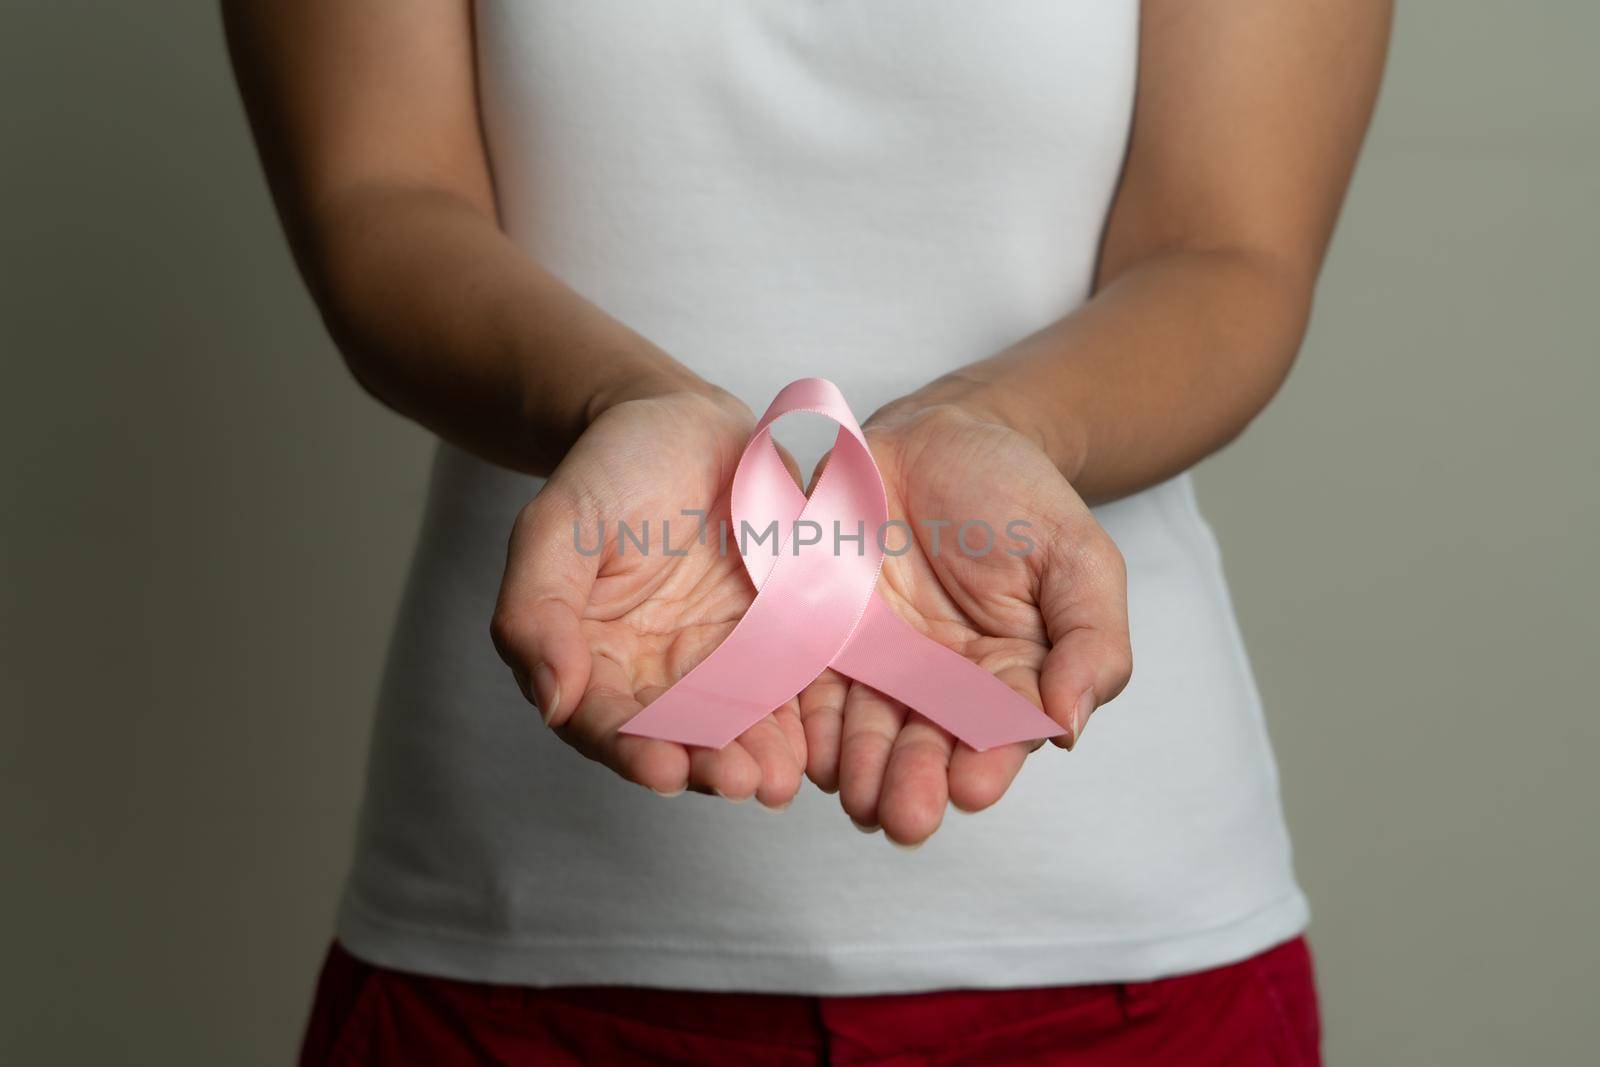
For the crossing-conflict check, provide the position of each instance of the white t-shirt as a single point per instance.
(873, 191)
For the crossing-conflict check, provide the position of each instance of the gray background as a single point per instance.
(206, 526)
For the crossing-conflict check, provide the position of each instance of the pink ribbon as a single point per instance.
(816, 607)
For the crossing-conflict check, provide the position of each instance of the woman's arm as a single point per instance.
(1248, 119)
(365, 113)
(1246, 126)
(366, 118)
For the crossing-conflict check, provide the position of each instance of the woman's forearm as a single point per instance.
(1169, 362)
(1247, 121)
(367, 122)
(440, 316)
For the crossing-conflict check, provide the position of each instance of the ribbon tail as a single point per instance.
(696, 715)
(943, 686)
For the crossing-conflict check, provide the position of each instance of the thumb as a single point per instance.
(1084, 602)
(816, 472)
(549, 576)
(791, 464)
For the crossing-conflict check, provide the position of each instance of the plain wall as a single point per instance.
(206, 526)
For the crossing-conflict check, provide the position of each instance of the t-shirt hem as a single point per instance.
(824, 970)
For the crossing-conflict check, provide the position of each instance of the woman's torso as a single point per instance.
(873, 191)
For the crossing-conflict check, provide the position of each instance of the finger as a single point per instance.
(781, 770)
(916, 782)
(871, 723)
(730, 772)
(536, 623)
(978, 779)
(592, 726)
(822, 716)
(794, 732)
(1084, 602)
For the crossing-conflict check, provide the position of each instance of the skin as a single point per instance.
(1248, 119)
(611, 630)
(1050, 622)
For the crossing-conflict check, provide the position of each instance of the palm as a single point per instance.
(998, 608)
(961, 586)
(619, 623)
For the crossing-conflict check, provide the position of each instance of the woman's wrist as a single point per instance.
(651, 375)
(1048, 424)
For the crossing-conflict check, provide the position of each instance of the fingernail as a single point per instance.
(864, 828)
(775, 808)
(665, 793)
(731, 800)
(546, 693)
(901, 845)
(1080, 716)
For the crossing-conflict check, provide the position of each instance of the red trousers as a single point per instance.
(1259, 1012)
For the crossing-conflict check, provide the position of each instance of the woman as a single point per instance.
(1062, 252)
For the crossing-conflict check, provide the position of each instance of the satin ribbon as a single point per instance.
(816, 607)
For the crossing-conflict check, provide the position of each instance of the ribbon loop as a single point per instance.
(816, 605)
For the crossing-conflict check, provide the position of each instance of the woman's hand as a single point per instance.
(594, 634)
(1044, 609)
